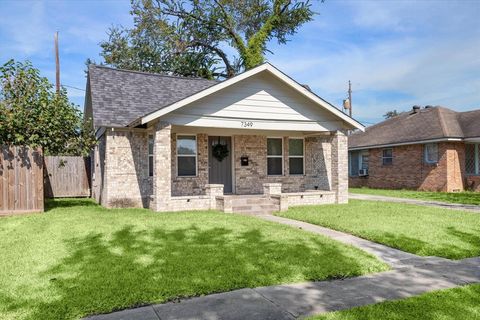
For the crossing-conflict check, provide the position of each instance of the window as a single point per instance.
(472, 158)
(295, 156)
(186, 156)
(150, 155)
(274, 156)
(387, 156)
(358, 160)
(431, 153)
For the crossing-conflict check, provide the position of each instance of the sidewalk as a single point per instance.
(428, 203)
(410, 275)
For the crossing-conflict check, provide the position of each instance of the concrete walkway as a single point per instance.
(428, 203)
(410, 275)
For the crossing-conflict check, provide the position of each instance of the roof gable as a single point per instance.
(264, 68)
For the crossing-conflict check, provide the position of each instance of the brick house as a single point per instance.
(173, 143)
(431, 148)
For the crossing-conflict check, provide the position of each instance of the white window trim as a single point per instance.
(425, 153)
(383, 157)
(275, 156)
(302, 156)
(185, 155)
(151, 154)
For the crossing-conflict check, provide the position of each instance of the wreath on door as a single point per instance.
(220, 151)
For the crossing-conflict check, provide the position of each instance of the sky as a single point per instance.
(396, 53)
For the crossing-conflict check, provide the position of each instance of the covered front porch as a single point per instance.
(271, 169)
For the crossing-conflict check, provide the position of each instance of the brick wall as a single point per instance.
(123, 180)
(409, 170)
(126, 182)
(250, 179)
(183, 186)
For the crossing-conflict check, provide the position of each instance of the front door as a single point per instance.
(220, 162)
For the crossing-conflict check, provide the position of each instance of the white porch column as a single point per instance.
(162, 172)
(340, 166)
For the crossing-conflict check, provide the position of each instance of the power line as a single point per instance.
(72, 87)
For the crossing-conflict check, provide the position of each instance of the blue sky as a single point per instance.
(396, 53)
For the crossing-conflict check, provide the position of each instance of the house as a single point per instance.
(431, 148)
(173, 143)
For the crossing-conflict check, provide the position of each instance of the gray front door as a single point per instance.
(220, 172)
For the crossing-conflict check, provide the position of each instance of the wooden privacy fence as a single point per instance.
(21, 180)
(67, 176)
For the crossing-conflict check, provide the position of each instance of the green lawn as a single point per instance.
(421, 230)
(451, 304)
(77, 260)
(452, 197)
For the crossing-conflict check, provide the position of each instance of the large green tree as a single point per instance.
(206, 38)
(32, 113)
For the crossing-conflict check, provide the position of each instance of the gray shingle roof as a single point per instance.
(426, 124)
(119, 97)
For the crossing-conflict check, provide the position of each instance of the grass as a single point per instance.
(420, 230)
(465, 197)
(79, 259)
(451, 304)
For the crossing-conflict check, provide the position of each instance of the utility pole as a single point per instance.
(57, 64)
(350, 97)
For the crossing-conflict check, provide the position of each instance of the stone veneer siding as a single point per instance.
(121, 169)
(410, 171)
(250, 179)
(125, 180)
(187, 186)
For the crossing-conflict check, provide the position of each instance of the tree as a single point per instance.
(391, 114)
(194, 38)
(32, 113)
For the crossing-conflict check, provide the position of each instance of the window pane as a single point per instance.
(296, 165)
(274, 166)
(387, 160)
(364, 161)
(387, 153)
(186, 166)
(470, 158)
(431, 152)
(354, 163)
(274, 146)
(187, 145)
(150, 166)
(295, 147)
(150, 144)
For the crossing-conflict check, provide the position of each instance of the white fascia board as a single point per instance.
(404, 143)
(266, 66)
(473, 139)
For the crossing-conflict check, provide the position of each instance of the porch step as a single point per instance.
(254, 205)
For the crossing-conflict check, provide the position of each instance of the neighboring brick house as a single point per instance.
(173, 143)
(431, 148)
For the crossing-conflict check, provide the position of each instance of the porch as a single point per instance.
(272, 200)
(255, 170)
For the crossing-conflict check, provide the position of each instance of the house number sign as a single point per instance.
(246, 124)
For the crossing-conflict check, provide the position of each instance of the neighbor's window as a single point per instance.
(295, 156)
(431, 152)
(150, 155)
(387, 156)
(186, 156)
(274, 156)
(472, 158)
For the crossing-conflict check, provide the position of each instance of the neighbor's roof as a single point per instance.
(433, 123)
(119, 96)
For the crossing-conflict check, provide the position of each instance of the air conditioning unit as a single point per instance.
(363, 172)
